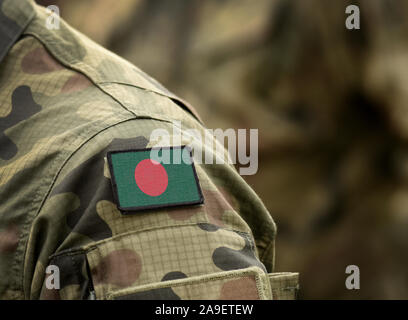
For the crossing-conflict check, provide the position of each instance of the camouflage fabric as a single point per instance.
(64, 103)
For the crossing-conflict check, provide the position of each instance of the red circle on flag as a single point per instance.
(151, 177)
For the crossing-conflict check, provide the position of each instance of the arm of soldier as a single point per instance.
(209, 251)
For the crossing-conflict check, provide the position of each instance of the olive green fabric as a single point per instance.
(65, 102)
(284, 285)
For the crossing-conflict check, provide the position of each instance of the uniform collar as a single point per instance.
(15, 15)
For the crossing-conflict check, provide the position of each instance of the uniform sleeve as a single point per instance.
(221, 249)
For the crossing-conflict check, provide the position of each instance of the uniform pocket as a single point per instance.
(181, 253)
(284, 285)
(152, 265)
(244, 284)
(190, 261)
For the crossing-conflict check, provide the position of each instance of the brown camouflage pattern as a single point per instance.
(65, 102)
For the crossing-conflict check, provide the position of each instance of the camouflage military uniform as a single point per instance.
(64, 103)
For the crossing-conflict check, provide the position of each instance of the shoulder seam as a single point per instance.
(70, 67)
(91, 72)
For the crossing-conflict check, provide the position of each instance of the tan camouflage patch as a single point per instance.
(284, 285)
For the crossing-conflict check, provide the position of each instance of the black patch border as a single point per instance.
(132, 210)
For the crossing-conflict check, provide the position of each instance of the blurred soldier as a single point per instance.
(73, 119)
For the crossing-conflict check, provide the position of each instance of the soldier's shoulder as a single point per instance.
(115, 76)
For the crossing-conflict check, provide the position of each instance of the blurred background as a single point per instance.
(331, 106)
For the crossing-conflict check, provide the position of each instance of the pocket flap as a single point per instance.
(243, 284)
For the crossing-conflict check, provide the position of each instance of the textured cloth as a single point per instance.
(64, 103)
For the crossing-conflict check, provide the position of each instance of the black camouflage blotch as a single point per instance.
(23, 107)
(7, 147)
(229, 259)
(71, 267)
(9, 29)
(208, 227)
(154, 294)
(174, 275)
(91, 186)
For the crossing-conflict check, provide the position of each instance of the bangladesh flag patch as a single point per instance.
(153, 178)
